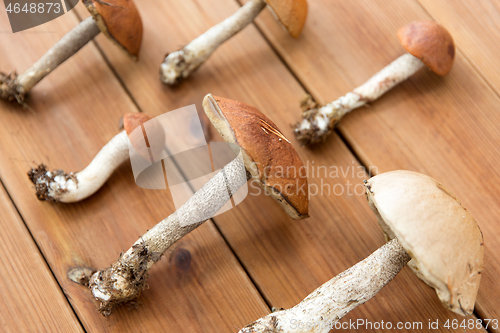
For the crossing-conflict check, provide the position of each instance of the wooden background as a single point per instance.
(231, 270)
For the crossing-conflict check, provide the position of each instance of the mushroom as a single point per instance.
(72, 187)
(427, 43)
(426, 227)
(265, 154)
(119, 20)
(178, 65)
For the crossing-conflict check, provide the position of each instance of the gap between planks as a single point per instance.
(467, 58)
(490, 85)
(42, 255)
(493, 89)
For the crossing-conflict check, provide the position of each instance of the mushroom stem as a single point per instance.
(12, 87)
(180, 64)
(124, 280)
(318, 123)
(319, 311)
(71, 187)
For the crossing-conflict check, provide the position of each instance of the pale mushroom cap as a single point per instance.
(120, 21)
(267, 154)
(444, 241)
(291, 13)
(431, 43)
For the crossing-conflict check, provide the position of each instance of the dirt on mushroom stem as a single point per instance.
(8, 88)
(133, 273)
(314, 134)
(43, 178)
(178, 65)
(124, 280)
(15, 87)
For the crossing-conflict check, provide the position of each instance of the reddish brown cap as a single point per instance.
(130, 121)
(155, 136)
(431, 43)
(268, 155)
(291, 13)
(120, 21)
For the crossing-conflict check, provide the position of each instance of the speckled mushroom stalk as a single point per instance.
(125, 279)
(428, 44)
(427, 229)
(75, 186)
(236, 122)
(117, 19)
(178, 65)
(16, 87)
(337, 297)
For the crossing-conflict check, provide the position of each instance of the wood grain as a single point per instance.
(286, 259)
(475, 26)
(31, 299)
(199, 285)
(445, 127)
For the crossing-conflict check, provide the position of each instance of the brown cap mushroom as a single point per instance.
(431, 43)
(141, 141)
(180, 64)
(428, 44)
(426, 227)
(441, 236)
(130, 121)
(268, 155)
(117, 19)
(291, 13)
(120, 21)
(58, 185)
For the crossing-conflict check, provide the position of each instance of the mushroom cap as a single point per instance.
(120, 21)
(444, 241)
(132, 120)
(431, 43)
(268, 156)
(154, 137)
(291, 13)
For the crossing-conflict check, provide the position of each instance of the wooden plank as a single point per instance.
(445, 127)
(77, 108)
(31, 299)
(476, 32)
(286, 259)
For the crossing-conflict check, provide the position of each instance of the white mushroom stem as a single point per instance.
(16, 87)
(124, 280)
(60, 186)
(319, 311)
(319, 122)
(180, 64)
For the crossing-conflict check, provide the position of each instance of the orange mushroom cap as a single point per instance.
(268, 156)
(291, 13)
(431, 43)
(155, 136)
(120, 21)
